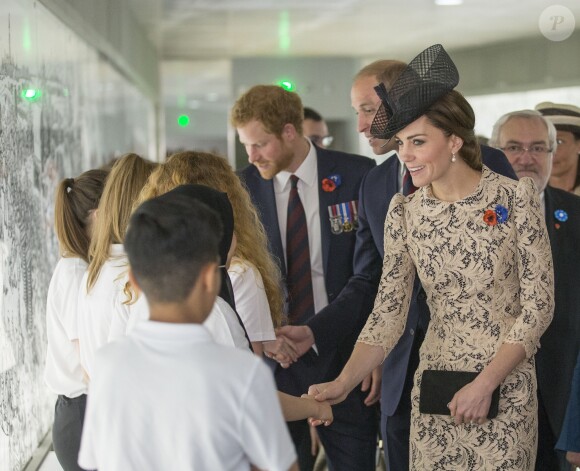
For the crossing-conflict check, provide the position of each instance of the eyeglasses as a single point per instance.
(322, 141)
(517, 151)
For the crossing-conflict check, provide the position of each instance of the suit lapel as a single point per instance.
(393, 181)
(326, 166)
(391, 186)
(269, 216)
(549, 214)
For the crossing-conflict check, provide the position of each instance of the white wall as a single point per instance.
(489, 108)
(88, 112)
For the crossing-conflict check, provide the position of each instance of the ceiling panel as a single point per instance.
(197, 39)
(217, 29)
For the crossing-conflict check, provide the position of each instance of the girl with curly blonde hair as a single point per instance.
(255, 276)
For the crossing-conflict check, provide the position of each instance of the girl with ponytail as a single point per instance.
(75, 207)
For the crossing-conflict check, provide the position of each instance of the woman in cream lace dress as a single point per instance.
(479, 245)
(487, 285)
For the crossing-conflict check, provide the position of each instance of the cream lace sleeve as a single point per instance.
(535, 269)
(386, 323)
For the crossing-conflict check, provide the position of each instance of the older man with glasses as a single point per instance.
(529, 141)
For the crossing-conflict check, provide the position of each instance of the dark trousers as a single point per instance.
(343, 452)
(396, 428)
(69, 415)
(347, 452)
(548, 459)
(300, 433)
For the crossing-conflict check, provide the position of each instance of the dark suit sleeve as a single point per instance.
(344, 317)
(496, 160)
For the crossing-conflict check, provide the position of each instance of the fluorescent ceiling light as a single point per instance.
(448, 3)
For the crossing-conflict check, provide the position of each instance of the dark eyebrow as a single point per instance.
(411, 137)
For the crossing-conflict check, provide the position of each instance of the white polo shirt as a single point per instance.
(62, 372)
(96, 308)
(251, 300)
(168, 397)
(224, 326)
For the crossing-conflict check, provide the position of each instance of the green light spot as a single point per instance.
(287, 85)
(183, 120)
(31, 94)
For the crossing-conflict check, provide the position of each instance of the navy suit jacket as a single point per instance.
(377, 189)
(560, 343)
(337, 257)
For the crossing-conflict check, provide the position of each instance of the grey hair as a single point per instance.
(526, 114)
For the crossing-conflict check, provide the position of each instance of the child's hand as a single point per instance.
(322, 412)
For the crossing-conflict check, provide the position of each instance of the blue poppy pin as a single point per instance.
(561, 216)
(501, 213)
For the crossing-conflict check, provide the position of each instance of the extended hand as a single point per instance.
(281, 350)
(573, 458)
(372, 384)
(323, 414)
(333, 392)
(300, 336)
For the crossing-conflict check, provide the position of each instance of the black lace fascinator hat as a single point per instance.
(427, 78)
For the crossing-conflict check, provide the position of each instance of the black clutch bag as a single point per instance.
(439, 386)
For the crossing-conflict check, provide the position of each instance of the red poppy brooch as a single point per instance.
(499, 215)
(331, 183)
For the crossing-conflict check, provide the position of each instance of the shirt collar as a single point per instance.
(307, 172)
(166, 331)
(116, 250)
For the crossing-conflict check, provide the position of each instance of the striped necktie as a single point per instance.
(299, 274)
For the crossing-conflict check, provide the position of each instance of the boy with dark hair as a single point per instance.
(167, 396)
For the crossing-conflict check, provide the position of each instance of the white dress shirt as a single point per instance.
(308, 192)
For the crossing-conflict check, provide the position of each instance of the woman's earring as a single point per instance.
(453, 158)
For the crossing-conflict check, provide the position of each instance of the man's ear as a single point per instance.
(133, 281)
(289, 131)
(210, 278)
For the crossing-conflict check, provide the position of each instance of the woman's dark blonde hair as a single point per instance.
(123, 186)
(75, 198)
(214, 171)
(453, 114)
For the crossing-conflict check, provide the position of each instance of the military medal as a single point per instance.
(347, 225)
(354, 213)
(334, 217)
(343, 217)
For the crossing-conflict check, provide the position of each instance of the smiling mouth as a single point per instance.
(415, 169)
